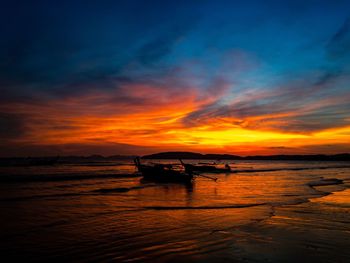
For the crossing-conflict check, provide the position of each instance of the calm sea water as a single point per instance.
(264, 212)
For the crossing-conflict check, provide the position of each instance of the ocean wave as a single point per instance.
(297, 201)
(202, 207)
(32, 197)
(121, 189)
(77, 194)
(324, 182)
(98, 164)
(60, 177)
(289, 169)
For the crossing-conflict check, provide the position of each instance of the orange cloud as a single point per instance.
(156, 116)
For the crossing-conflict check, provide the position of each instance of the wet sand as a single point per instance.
(280, 215)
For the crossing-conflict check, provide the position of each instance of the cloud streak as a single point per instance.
(209, 77)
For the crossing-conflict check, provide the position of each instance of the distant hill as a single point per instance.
(96, 158)
(199, 156)
(190, 155)
(177, 155)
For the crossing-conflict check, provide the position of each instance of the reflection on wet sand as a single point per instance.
(277, 216)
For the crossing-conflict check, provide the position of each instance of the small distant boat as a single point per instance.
(190, 168)
(206, 163)
(162, 173)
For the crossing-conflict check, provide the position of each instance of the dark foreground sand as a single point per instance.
(280, 215)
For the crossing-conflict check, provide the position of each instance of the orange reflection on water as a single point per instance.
(127, 219)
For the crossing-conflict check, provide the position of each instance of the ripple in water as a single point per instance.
(94, 214)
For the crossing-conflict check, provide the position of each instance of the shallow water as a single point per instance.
(264, 212)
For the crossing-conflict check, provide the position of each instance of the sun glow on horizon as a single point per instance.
(134, 83)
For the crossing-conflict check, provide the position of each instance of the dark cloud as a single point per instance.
(72, 59)
(339, 44)
(337, 51)
(157, 48)
(304, 123)
(328, 77)
(294, 109)
(327, 148)
(12, 126)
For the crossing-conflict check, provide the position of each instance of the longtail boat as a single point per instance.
(162, 173)
(190, 168)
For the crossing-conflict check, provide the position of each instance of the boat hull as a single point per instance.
(166, 176)
(162, 173)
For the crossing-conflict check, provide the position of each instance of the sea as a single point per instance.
(102, 211)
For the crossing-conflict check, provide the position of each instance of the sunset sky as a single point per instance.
(138, 77)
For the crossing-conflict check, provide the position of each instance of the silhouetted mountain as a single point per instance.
(98, 157)
(192, 155)
(174, 155)
(199, 156)
(20, 161)
(121, 157)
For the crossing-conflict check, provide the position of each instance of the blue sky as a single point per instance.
(254, 58)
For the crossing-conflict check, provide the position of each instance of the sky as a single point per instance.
(138, 77)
